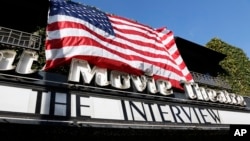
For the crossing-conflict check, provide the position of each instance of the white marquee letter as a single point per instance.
(25, 63)
(140, 82)
(189, 90)
(221, 97)
(120, 80)
(151, 86)
(240, 100)
(212, 95)
(7, 58)
(204, 94)
(164, 87)
(78, 67)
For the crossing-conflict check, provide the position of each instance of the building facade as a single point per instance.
(37, 99)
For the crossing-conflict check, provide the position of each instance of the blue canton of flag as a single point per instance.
(87, 13)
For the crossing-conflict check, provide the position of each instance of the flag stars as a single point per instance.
(84, 12)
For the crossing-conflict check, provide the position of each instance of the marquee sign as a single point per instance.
(76, 105)
(120, 80)
(72, 105)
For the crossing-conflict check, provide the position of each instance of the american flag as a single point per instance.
(80, 31)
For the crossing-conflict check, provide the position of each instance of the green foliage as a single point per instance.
(41, 53)
(236, 65)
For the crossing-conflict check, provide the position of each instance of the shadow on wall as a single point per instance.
(24, 15)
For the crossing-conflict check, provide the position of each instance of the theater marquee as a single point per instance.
(109, 98)
(119, 80)
(78, 106)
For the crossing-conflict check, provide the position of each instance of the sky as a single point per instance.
(195, 20)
